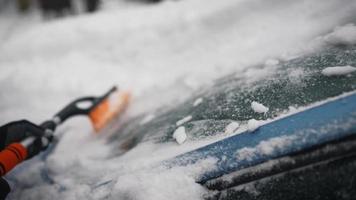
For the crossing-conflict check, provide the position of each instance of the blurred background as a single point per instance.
(54, 50)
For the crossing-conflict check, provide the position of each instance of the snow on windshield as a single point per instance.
(163, 53)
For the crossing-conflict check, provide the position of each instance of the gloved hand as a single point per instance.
(4, 189)
(20, 130)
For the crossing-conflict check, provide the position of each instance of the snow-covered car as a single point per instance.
(230, 100)
(288, 135)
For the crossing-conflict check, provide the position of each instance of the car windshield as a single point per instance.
(281, 86)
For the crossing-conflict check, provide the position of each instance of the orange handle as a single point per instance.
(11, 156)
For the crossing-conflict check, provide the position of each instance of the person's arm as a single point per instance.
(12, 133)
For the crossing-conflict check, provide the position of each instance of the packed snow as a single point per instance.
(180, 135)
(254, 124)
(338, 70)
(163, 53)
(258, 107)
(232, 127)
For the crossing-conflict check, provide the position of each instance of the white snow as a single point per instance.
(232, 127)
(161, 184)
(176, 184)
(338, 70)
(264, 147)
(271, 62)
(149, 49)
(184, 120)
(253, 124)
(197, 101)
(180, 135)
(292, 109)
(258, 107)
(344, 35)
(162, 53)
(147, 119)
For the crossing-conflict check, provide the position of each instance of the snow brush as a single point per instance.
(101, 110)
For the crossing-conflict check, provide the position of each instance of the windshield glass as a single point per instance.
(280, 86)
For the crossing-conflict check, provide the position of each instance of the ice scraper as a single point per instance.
(101, 110)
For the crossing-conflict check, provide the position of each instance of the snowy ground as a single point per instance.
(162, 53)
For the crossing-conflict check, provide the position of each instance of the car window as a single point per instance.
(284, 85)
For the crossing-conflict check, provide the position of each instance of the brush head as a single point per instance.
(101, 110)
(110, 106)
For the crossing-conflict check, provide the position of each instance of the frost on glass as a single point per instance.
(294, 83)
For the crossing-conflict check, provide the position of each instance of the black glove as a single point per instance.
(4, 188)
(20, 130)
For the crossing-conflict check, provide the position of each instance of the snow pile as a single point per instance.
(232, 127)
(338, 70)
(150, 184)
(258, 107)
(180, 135)
(292, 109)
(161, 184)
(344, 35)
(88, 174)
(253, 124)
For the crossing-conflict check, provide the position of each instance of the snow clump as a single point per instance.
(197, 101)
(338, 70)
(345, 35)
(184, 120)
(258, 107)
(232, 127)
(179, 135)
(253, 124)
